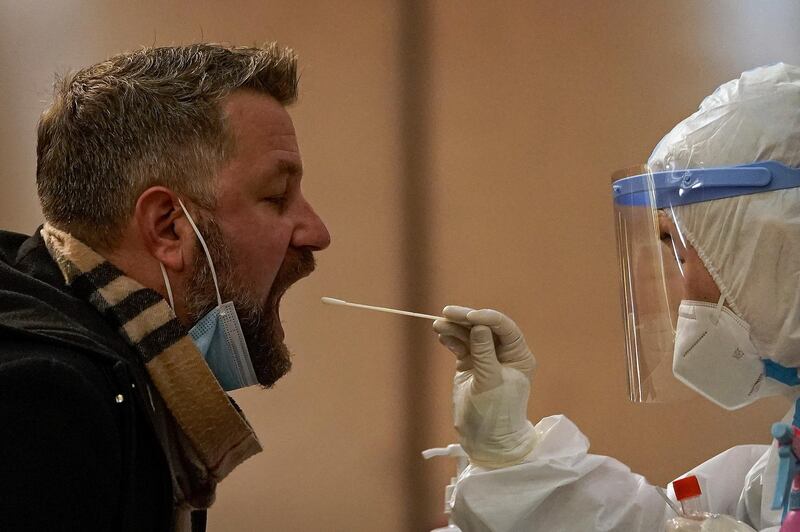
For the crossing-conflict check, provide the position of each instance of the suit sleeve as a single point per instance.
(60, 457)
(560, 486)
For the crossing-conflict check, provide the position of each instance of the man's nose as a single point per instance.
(310, 231)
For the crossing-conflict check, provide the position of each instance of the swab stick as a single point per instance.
(340, 302)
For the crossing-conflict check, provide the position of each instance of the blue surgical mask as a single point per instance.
(218, 335)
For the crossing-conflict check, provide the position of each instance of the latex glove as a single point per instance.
(491, 386)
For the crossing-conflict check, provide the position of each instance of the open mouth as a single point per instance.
(288, 275)
(275, 317)
(279, 333)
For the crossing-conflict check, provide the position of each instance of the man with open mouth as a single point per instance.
(174, 223)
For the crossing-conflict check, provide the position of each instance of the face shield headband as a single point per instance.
(663, 190)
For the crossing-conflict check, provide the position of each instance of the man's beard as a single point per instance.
(260, 322)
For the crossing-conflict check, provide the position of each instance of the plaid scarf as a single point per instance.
(211, 437)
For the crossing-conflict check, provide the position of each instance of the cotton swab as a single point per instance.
(340, 302)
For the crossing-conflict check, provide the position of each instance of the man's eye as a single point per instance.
(280, 201)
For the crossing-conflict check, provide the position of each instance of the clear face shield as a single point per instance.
(652, 288)
(660, 268)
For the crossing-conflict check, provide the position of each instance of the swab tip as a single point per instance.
(333, 301)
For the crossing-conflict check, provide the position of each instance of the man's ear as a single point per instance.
(162, 226)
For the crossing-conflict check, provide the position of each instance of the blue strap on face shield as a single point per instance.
(682, 187)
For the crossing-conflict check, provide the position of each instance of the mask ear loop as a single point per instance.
(205, 248)
(166, 283)
(720, 304)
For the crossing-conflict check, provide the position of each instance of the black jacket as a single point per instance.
(78, 450)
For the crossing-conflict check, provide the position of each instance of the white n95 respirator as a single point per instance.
(715, 356)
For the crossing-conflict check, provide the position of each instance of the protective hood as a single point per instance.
(750, 244)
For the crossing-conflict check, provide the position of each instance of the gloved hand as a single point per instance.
(491, 386)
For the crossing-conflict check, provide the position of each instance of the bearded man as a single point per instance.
(169, 180)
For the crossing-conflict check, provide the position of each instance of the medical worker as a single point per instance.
(709, 240)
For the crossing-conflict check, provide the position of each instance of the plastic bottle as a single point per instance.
(453, 450)
(687, 491)
(694, 517)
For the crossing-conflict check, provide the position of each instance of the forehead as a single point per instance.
(262, 129)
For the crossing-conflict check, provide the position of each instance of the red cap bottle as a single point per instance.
(688, 492)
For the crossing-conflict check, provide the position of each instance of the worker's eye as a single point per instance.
(666, 240)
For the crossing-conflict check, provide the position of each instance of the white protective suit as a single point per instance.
(751, 246)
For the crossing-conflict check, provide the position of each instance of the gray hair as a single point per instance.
(144, 118)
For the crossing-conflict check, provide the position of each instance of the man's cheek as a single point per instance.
(264, 260)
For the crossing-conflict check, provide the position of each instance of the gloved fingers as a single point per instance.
(448, 328)
(487, 370)
(526, 364)
(455, 338)
(459, 347)
(512, 348)
(464, 364)
(456, 345)
(456, 313)
(502, 326)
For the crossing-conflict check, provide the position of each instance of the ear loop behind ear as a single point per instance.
(166, 283)
(205, 249)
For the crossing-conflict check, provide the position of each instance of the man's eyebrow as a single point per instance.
(292, 168)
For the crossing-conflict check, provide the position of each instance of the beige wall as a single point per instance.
(460, 153)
